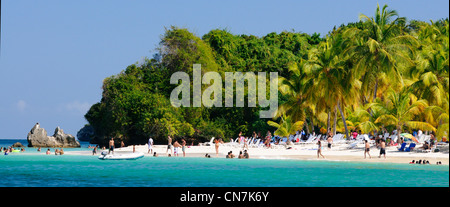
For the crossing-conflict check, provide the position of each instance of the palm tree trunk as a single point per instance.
(343, 120)
(328, 122)
(374, 97)
(306, 125)
(335, 120)
(398, 133)
(375, 90)
(312, 125)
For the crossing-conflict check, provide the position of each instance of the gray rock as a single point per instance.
(37, 137)
(85, 133)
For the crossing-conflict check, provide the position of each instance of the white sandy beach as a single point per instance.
(339, 152)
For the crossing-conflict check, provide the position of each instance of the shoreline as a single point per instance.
(298, 152)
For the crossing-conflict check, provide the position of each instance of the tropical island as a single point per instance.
(380, 74)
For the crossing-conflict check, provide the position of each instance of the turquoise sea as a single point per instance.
(39, 170)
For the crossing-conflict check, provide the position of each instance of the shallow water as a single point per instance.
(29, 169)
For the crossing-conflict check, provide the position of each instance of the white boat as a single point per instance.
(124, 156)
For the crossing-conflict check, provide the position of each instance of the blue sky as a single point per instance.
(56, 53)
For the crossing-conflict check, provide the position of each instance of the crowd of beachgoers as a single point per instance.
(261, 146)
(335, 145)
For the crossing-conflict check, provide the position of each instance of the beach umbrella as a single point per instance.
(409, 136)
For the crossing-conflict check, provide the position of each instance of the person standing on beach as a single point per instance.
(330, 139)
(245, 143)
(319, 149)
(367, 149)
(183, 147)
(268, 139)
(382, 148)
(176, 147)
(241, 139)
(217, 146)
(150, 145)
(169, 145)
(111, 146)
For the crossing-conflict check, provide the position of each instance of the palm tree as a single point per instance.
(430, 73)
(380, 48)
(334, 82)
(438, 117)
(296, 89)
(286, 127)
(400, 110)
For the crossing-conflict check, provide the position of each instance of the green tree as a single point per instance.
(286, 127)
(400, 110)
(381, 47)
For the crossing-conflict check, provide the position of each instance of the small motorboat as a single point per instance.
(122, 156)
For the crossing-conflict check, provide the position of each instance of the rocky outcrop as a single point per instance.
(85, 133)
(17, 144)
(37, 137)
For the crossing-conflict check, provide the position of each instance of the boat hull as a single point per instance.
(128, 156)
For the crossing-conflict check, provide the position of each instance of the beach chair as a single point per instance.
(402, 147)
(427, 138)
(261, 144)
(210, 143)
(338, 138)
(394, 138)
(234, 142)
(411, 147)
(353, 144)
(249, 141)
(421, 138)
(254, 144)
(229, 144)
(361, 137)
(432, 149)
(281, 143)
(309, 140)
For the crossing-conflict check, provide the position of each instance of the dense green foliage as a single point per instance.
(379, 73)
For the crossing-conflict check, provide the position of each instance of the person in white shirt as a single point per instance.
(150, 145)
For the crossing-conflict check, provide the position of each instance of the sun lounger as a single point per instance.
(353, 144)
(310, 140)
(411, 147)
(426, 138)
(338, 138)
(427, 150)
(281, 143)
(394, 138)
(254, 143)
(210, 143)
(402, 147)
